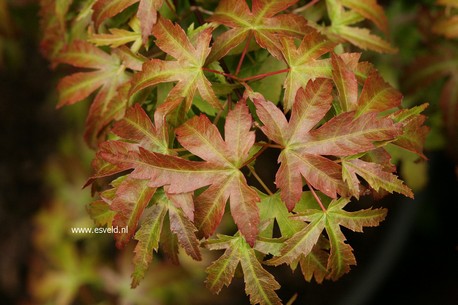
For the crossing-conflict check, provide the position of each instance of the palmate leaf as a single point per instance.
(186, 70)
(263, 22)
(178, 225)
(341, 257)
(304, 63)
(305, 147)
(130, 196)
(146, 13)
(107, 76)
(260, 285)
(220, 170)
(345, 13)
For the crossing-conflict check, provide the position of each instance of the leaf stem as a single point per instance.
(221, 73)
(254, 156)
(263, 144)
(200, 9)
(316, 197)
(247, 44)
(218, 115)
(264, 186)
(259, 76)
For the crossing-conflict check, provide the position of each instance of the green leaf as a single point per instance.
(148, 237)
(260, 285)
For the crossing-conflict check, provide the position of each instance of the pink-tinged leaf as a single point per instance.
(181, 175)
(210, 208)
(275, 123)
(186, 70)
(137, 127)
(109, 77)
(260, 285)
(237, 133)
(185, 232)
(346, 83)
(300, 243)
(102, 168)
(219, 170)
(264, 25)
(78, 86)
(148, 241)
(304, 63)
(414, 132)
(147, 14)
(109, 104)
(369, 9)
(172, 39)
(226, 42)
(82, 54)
(322, 173)
(203, 139)
(357, 220)
(244, 209)
(363, 39)
(377, 95)
(182, 201)
(314, 265)
(222, 270)
(310, 107)
(269, 8)
(129, 59)
(377, 177)
(346, 135)
(104, 9)
(289, 180)
(132, 196)
(352, 181)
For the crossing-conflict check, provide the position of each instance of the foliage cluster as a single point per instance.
(186, 96)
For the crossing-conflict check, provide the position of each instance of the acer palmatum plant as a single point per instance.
(186, 96)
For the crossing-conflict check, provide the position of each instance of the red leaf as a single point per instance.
(262, 22)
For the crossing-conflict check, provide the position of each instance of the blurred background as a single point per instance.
(412, 258)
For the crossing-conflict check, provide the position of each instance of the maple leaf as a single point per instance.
(107, 76)
(118, 37)
(150, 233)
(146, 13)
(329, 220)
(414, 132)
(260, 285)
(356, 11)
(220, 170)
(304, 63)
(262, 22)
(186, 70)
(304, 147)
(375, 175)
